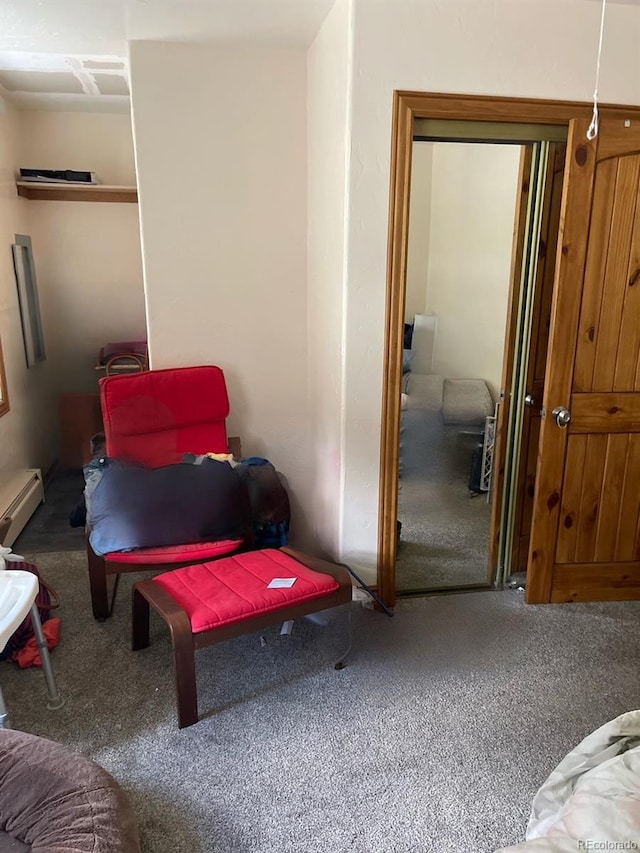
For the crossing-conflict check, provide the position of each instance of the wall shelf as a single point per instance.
(36, 191)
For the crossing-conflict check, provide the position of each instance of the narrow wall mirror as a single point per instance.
(4, 392)
(482, 204)
(25, 273)
(463, 201)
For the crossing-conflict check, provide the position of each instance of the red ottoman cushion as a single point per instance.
(236, 588)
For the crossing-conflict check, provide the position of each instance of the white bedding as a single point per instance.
(593, 795)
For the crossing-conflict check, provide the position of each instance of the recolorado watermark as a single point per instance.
(608, 845)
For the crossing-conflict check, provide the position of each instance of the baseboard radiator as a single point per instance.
(20, 495)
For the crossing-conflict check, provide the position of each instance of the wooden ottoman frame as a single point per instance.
(185, 642)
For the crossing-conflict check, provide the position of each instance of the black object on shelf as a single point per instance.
(63, 176)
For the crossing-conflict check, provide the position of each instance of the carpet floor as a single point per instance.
(48, 528)
(434, 738)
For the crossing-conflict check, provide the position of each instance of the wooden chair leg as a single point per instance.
(102, 588)
(185, 669)
(139, 621)
(98, 585)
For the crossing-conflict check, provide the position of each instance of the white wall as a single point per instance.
(473, 202)
(328, 90)
(532, 48)
(87, 255)
(28, 432)
(95, 142)
(220, 137)
(419, 230)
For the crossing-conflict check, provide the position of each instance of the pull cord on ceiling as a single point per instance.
(592, 132)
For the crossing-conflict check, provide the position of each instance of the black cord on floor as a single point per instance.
(367, 588)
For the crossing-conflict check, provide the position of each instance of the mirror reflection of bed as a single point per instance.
(460, 238)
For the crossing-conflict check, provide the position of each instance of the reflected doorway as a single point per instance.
(478, 220)
(463, 202)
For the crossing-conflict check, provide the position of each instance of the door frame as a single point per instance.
(406, 107)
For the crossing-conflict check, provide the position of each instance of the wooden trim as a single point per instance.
(394, 334)
(616, 142)
(504, 109)
(35, 191)
(406, 106)
(4, 391)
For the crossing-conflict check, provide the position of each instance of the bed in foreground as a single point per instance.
(591, 801)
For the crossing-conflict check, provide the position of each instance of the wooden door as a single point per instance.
(585, 537)
(537, 361)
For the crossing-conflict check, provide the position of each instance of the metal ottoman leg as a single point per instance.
(55, 700)
(4, 717)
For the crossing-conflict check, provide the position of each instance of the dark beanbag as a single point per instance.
(53, 800)
(137, 507)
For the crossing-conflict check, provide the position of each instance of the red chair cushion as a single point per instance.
(155, 417)
(176, 553)
(235, 588)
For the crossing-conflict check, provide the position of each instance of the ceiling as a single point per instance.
(72, 54)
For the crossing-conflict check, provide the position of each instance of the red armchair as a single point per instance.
(154, 418)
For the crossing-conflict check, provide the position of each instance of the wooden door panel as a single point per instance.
(595, 271)
(589, 512)
(608, 330)
(593, 519)
(571, 495)
(546, 295)
(626, 372)
(585, 533)
(613, 412)
(628, 541)
(596, 582)
(610, 503)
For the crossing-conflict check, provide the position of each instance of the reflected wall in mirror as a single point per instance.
(462, 213)
(4, 393)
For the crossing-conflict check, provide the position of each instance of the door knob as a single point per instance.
(530, 401)
(562, 416)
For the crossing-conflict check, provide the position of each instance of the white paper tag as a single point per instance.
(281, 583)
